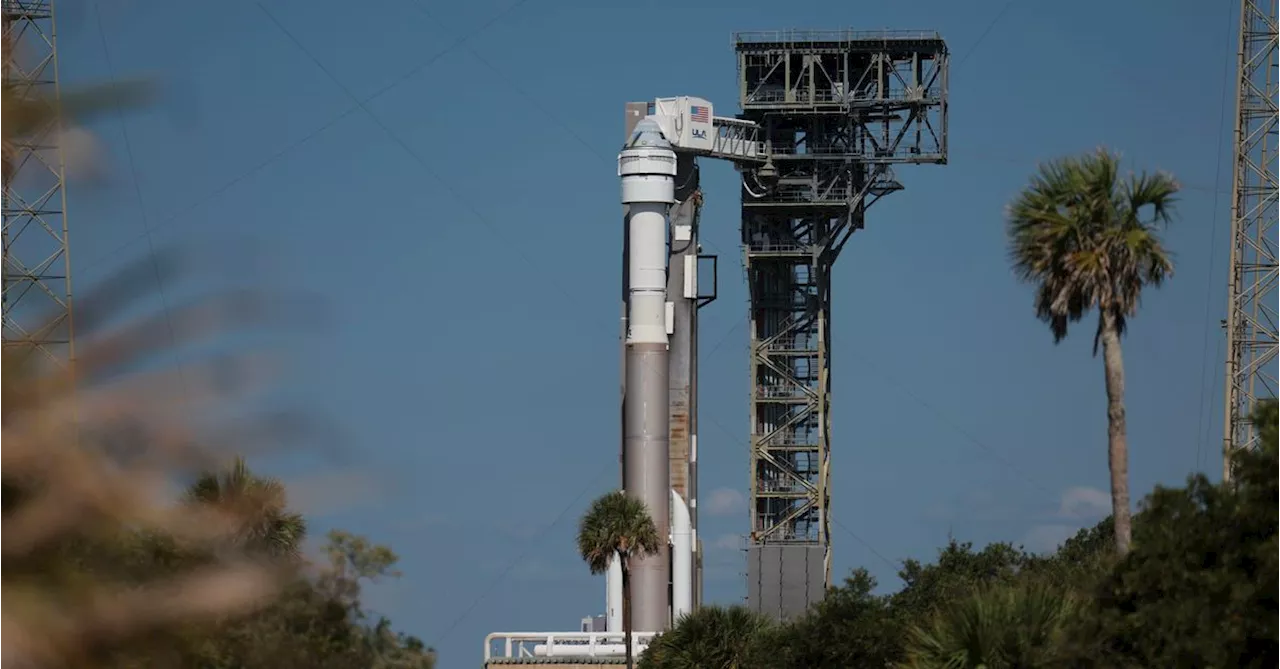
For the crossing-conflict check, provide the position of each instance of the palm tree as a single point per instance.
(258, 505)
(1089, 238)
(998, 628)
(618, 525)
(709, 638)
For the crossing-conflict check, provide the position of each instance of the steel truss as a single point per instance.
(837, 110)
(1251, 322)
(37, 270)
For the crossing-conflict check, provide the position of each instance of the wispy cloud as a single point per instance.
(723, 502)
(1078, 507)
(1082, 502)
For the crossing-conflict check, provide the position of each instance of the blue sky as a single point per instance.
(463, 227)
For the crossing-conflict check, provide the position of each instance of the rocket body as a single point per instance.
(647, 166)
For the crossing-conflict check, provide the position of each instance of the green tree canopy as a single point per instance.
(258, 506)
(1003, 627)
(711, 637)
(1200, 586)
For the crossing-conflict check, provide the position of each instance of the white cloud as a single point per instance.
(723, 502)
(1078, 506)
(1084, 503)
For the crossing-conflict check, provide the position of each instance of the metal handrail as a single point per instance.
(515, 645)
(848, 35)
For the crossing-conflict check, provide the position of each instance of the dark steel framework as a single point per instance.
(37, 268)
(1251, 321)
(838, 110)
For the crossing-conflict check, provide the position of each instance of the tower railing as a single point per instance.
(841, 36)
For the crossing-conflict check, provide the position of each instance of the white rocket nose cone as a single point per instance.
(649, 134)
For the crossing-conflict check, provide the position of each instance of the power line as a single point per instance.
(990, 26)
(533, 542)
(137, 188)
(315, 133)
(534, 101)
(536, 540)
(360, 105)
(866, 544)
(1213, 242)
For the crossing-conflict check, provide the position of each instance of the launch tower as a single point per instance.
(837, 111)
(1252, 321)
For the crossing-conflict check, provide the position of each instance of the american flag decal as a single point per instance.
(699, 114)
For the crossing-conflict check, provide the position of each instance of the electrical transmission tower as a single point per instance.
(37, 268)
(837, 110)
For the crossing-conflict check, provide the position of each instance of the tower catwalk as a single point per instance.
(1251, 321)
(37, 269)
(837, 109)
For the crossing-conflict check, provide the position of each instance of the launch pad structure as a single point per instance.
(838, 111)
(826, 116)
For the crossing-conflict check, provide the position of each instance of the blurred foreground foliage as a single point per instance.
(133, 537)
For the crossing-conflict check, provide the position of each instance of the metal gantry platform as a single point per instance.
(837, 110)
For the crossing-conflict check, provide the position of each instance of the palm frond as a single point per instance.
(616, 523)
(1089, 239)
(1004, 627)
(711, 636)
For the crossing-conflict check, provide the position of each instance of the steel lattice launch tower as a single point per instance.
(837, 111)
(37, 266)
(1252, 318)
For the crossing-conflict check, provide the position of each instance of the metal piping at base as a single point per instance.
(647, 166)
(599, 650)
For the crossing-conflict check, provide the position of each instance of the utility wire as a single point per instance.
(532, 100)
(426, 166)
(414, 71)
(990, 26)
(533, 542)
(1213, 245)
(498, 235)
(866, 544)
(360, 105)
(942, 417)
(137, 189)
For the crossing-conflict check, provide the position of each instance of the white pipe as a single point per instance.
(601, 650)
(525, 645)
(681, 559)
(613, 596)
